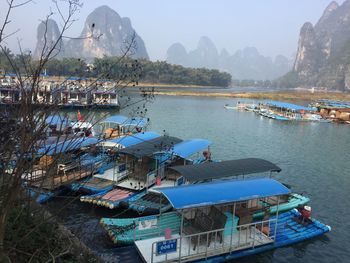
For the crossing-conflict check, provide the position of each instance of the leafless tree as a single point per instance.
(23, 126)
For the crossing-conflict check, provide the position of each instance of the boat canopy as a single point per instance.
(129, 140)
(118, 119)
(150, 147)
(206, 194)
(189, 147)
(335, 103)
(125, 121)
(215, 170)
(57, 120)
(67, 145)
(290, 106)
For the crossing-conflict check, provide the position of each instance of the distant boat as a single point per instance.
(228, 107)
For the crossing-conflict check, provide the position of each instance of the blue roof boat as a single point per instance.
(125, 121)
(129, 140)
(118, 125)
(163, 151)
(150, 202)
(101, 183)
(67, 145)
(215, 224)
(289, 106)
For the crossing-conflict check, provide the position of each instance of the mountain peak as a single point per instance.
(105, 32)
(330, 9)
(47, 35)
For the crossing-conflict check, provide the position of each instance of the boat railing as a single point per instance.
(215, 242)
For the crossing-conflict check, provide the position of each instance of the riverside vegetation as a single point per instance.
(152, 72)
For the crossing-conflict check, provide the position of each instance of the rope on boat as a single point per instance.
(118, 230)
(122, 212)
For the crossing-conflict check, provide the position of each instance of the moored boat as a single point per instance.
(109, 172)
(142, 168)
(152, 202)
(219, 227)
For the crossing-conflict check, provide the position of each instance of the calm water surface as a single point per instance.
(314, 158)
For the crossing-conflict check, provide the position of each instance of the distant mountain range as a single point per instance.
(104, 33)
(244, 64)
(323, 57)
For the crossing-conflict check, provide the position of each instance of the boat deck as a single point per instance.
(53, 182)
(290, 230)
(97, 183)
(191, 251)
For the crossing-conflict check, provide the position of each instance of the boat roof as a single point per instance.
(221, 192)
(335, 103)
(150, 147)
(57, 120)
(125, 121)
(295, 107)
(67, 145)
(130, 140)
(189, 147)
(213, 170)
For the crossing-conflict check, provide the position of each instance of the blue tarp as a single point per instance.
(68, 145)
(136, 138)
(189, 147)
(290, 106)
(125, 121)
(221, 192)
(57, 120)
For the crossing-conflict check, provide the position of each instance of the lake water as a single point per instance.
(314, 158)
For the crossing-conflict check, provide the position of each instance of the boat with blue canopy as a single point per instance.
(152, 202)
(284, 111)
(59, 164)
(215, 223)
(107, 175)
(139, 166)
(119, 125)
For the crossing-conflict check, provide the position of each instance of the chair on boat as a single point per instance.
(199, 224)
(219, 222)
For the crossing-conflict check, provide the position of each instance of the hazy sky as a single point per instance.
(272, 26)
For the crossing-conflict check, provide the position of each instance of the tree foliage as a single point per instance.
(151, 72)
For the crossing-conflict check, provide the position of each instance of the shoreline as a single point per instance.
(273, 95)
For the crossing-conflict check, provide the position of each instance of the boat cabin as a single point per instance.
(111, 171)
(118, 125)
(61, 163)
(138, 167)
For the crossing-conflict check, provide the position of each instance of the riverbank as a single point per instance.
(274, 95)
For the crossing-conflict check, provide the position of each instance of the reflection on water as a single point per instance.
(314, 158)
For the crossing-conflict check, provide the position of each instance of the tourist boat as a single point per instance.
(239, 106)
(118, 125)
(152, 202)
(228, 107)
(140, 166)
(60, 164)
(111, 171)
(213, 223)
(251, 107)
(149, 202)
(289, 112)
